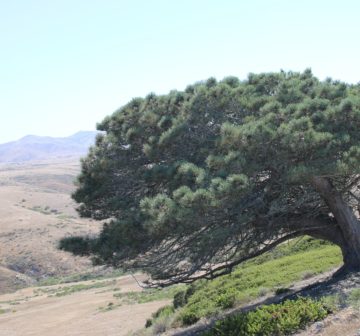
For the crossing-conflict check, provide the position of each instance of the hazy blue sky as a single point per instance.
(66, 64)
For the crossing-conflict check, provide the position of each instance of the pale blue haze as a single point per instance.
(65, 65)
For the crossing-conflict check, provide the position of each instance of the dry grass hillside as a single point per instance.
(35, 211)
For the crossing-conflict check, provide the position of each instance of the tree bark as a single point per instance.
(347, 222)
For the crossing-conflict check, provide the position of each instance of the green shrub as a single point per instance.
(227, 299)
(162, 313)
(354, 298)
(189, 317)
(77, 245)
(275, 319)
(180, 299)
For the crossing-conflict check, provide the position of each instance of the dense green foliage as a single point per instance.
(78, 245)
(204, 179)
(272, 320)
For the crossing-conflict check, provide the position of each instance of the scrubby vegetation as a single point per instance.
(161, 317)
(284, 318)
(354, 298)
(271, 273)
(271, 320)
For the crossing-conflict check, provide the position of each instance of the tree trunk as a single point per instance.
(348, 224)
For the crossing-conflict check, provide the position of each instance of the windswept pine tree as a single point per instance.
(193, 183)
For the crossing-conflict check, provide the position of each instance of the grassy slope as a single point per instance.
(271, 272)
(255, 279)
(286, 264)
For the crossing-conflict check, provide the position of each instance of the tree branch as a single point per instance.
(323, 230)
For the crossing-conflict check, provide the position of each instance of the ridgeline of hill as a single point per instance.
(39, 148)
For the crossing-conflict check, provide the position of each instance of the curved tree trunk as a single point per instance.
(348, 223)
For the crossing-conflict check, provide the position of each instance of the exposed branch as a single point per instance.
(324, 231)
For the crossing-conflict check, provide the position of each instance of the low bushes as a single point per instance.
(249, 281)
(275, 319)
(162, 313)
(272, 272)
(354, 298)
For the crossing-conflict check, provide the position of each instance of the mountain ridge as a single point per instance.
(40, 148)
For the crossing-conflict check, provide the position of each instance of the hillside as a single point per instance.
(35, 212)
(39, 148)
(118, 306)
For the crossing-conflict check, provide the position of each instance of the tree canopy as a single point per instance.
(195, 182)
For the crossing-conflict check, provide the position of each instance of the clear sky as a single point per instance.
(66, 64)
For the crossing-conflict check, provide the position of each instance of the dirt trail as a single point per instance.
(35, 312)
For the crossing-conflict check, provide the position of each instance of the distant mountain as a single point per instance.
(40, 148)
